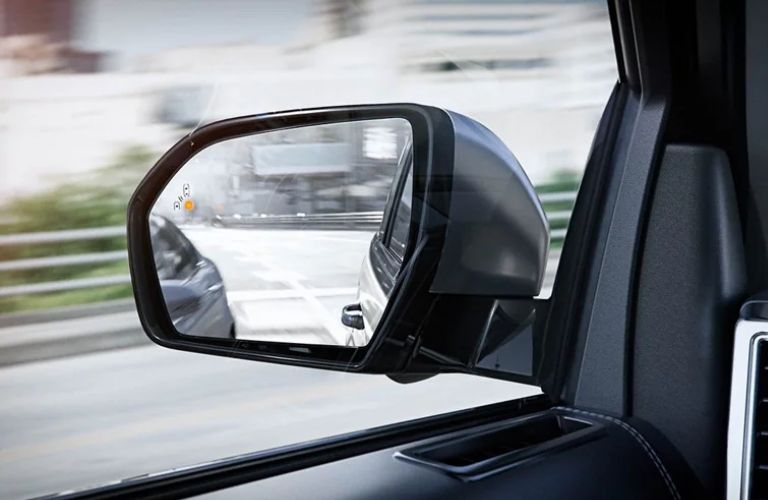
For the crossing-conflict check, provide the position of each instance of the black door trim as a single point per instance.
(212, 476)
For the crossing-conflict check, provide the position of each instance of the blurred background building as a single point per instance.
(91, 94)
(83, 79)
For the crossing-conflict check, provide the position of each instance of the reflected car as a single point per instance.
(192, 286)
(383, 260)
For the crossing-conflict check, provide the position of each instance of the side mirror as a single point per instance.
(450, 258)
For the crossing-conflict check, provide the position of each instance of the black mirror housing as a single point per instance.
(476, 253)
(497, 235)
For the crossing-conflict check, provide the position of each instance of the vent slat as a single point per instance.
(759, 465)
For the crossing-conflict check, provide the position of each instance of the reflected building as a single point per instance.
(331, 169)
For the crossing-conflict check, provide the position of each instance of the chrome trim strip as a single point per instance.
(741, 421)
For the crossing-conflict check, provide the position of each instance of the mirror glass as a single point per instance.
(267, 236)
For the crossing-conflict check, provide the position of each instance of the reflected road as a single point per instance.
(286, 285)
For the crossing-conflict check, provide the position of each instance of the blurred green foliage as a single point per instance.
(59, 299)
(97, 199)
(564, 180)
(561, 180)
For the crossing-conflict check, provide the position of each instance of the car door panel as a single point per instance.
(619, 463)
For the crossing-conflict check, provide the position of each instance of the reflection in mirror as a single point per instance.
(262, 237)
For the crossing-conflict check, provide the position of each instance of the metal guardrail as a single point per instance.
(59, 286)
(357, 220)
(61, 236)
(63, 260)
(558, 197)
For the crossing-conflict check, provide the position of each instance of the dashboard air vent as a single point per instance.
(759, 465)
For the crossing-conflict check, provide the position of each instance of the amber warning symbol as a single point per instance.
(183, 200)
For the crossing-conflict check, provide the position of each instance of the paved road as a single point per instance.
(83, 420)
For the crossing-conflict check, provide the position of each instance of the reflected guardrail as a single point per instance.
(335, 221)
(354, 220)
